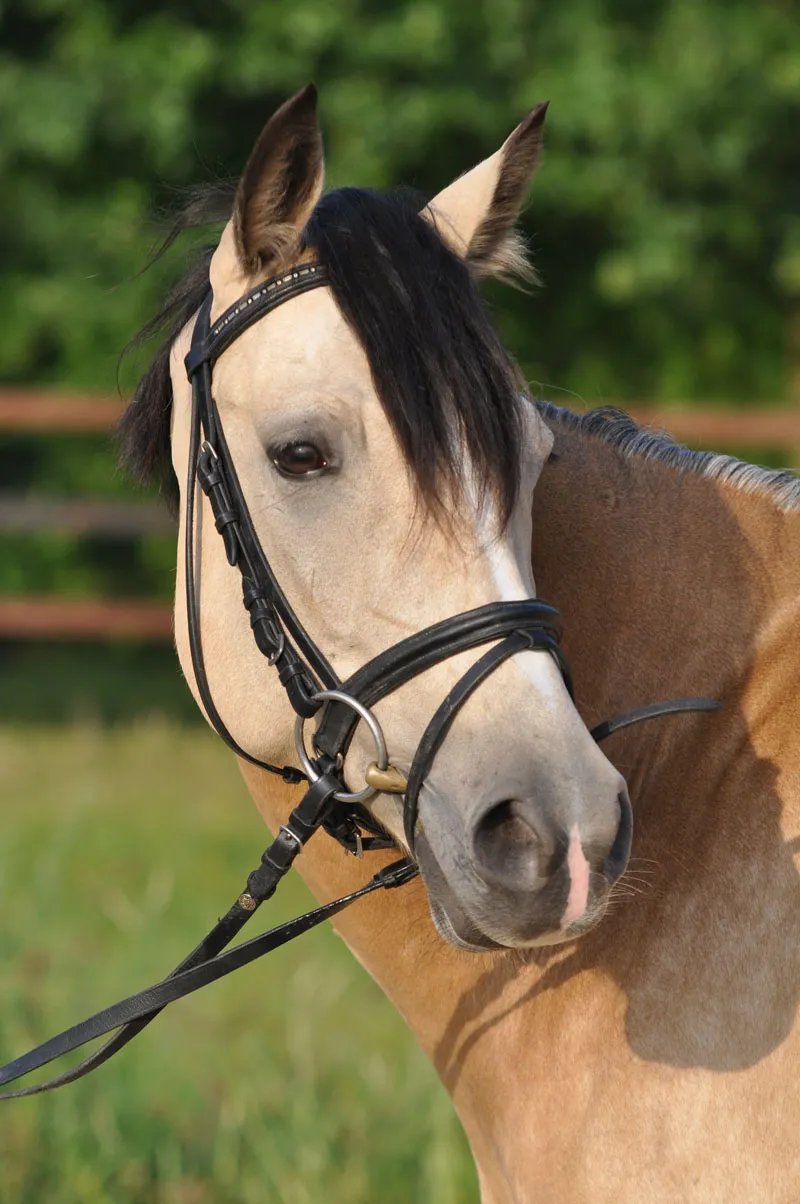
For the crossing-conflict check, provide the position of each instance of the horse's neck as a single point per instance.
(670, 583)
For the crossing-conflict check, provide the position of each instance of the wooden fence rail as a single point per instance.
(21, 514)
(44, 412)
(50, 412)
(35, 618)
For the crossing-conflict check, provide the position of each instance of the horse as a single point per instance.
(605, 1034)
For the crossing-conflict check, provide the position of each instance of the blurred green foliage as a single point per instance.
(107, 684)
(665, 219)
(665, 216)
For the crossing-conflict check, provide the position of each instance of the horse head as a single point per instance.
(388, 458)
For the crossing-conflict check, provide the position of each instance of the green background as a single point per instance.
(664, 221)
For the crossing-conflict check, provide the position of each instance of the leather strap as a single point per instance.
(289, 773)
(251, 308)
(261, 570)
(206, 963)
(439, 725)
(137, 1011)
(217, 476)
(412, 656)
(656, 710)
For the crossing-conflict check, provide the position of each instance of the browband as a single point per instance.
(248, 309)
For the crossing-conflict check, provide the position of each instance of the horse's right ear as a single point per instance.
(280, 186)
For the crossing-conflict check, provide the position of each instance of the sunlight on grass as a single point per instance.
(295, 1081)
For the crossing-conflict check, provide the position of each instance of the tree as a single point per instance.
(664, 220)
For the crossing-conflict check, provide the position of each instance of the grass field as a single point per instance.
(295, 1081)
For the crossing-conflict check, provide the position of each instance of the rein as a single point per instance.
(312, 688)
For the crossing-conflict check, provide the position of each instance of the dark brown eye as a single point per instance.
(298, 459)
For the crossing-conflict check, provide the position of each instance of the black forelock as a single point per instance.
(448, 388)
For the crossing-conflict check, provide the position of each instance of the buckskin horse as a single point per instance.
(605, 1035)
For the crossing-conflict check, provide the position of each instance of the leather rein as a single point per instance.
(313, 689)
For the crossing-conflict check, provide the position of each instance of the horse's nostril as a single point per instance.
(620, 850)
(507, 849)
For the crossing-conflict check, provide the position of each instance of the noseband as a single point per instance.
(313, 689)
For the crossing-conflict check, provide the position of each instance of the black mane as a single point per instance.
(446, 384)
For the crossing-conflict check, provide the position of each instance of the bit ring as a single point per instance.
(363, 712)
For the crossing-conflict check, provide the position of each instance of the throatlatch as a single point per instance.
(312, 688)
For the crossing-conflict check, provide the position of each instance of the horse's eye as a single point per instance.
(298, 459)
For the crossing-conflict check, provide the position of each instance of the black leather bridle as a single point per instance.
(303, 669)
(313, 689)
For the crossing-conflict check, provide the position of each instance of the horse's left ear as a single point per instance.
(476, 214)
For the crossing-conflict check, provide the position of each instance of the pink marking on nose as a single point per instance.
(578, 868)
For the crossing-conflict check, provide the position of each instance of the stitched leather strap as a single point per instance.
(254, 305)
